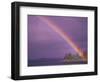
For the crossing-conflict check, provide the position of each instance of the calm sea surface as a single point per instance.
(48, 62)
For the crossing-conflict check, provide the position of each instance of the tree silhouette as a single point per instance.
(68, 57)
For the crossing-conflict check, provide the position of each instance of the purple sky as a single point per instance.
(43, 42)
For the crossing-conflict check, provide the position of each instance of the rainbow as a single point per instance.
(64, 35)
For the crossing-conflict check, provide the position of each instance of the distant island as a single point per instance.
(72, 58)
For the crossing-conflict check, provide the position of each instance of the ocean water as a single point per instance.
(49, 62)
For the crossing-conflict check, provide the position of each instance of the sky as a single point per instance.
(43, 42)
